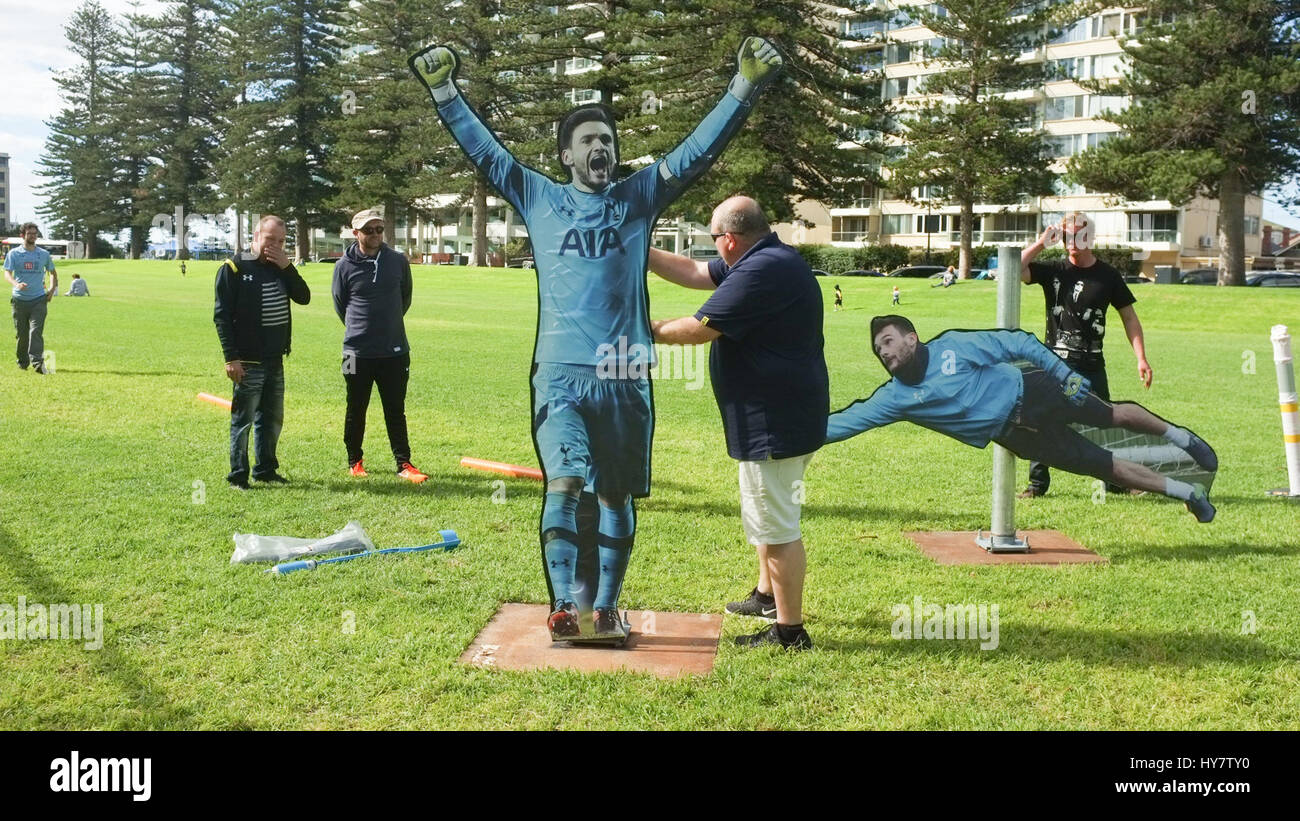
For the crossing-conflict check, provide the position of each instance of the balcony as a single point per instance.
(856, 237)
(996, 237)
(1153, 235)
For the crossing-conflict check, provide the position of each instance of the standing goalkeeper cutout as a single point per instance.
(593, 414)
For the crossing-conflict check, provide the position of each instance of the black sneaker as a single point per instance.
(273, 477)
(1031, 492)
(563, 622)
(237, 482)
(39, 369)
(753, 606)
(1200, 506)
(608, 622)
(1204, 455)
(772, 636)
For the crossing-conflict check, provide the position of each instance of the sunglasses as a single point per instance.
(372, 229)
(716, 237)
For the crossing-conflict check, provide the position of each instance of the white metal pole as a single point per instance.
(1290, 403)
(1002, 536)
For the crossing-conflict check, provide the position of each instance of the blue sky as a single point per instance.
(35, 46)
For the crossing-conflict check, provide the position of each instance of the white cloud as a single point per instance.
(35, 48)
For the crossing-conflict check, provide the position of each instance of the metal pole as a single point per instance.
(1002, 535)
(1290, 402)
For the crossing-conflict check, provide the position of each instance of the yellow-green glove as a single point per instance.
(436, 68)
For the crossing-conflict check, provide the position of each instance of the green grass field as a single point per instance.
(102, 503)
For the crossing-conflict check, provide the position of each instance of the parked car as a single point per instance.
(520, 262)
(1200, 276)
(860, 272)
(920, 271)
(1135, 279)
(1273, 279)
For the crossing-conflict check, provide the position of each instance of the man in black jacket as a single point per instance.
(253, 324)
(372, 292)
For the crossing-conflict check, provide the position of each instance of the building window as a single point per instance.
(872, 61)
(1107, 65)
(930, 223)
(1108, 25)
(1076, 31)
(1063, 108)
(1153, 226)
(1252, 224)
(897, 87)
(1099, 104)
(1071, 68)
(848, 229)
(894, 223)
(864, 28)
(900, 53)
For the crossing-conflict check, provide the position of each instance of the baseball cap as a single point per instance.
(362, 217)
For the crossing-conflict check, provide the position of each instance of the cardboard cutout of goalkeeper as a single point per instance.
(1007, 387)
(591, 239)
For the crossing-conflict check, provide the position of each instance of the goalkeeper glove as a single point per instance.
(757, 64)
(436, 68)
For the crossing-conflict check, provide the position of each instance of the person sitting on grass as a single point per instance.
(964, 384)
(78, 286)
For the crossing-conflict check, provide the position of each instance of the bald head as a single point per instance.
(742, 217)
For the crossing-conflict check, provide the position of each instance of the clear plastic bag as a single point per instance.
(250, 547)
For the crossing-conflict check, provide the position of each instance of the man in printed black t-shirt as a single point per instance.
(769, 377)
(252, 316)
(1078, 291)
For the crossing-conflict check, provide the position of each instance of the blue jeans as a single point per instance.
(29, 325)
(258, 403)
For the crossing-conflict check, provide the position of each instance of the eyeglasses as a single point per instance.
(372, 229)
(716, 237)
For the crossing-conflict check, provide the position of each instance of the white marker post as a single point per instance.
(1290, 402)
(1001, 537)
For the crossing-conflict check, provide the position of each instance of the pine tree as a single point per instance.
(77, 159)
(976, 142)
(661, 67)
(279, 120)
(184, 52)
(133, 109)
(1215, 112)
(385, 149)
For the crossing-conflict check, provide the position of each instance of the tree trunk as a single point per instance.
(137, 241)
(303, 232)
(480, 220)
(390, 222)
(1232, 229)
(967, 231)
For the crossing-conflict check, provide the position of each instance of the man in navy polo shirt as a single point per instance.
(769, 377)
(25, 269)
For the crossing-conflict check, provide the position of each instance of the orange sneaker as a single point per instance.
(411, 474)
(358, 469)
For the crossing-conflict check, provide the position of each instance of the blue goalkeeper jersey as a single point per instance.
(970, 388)
(590, 250)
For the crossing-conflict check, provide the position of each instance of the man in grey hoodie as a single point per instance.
(372, 291)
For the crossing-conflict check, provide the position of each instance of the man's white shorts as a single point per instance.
(771, 499)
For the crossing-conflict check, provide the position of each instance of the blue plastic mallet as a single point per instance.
(449, 541)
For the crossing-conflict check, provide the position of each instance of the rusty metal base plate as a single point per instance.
(1045, 547)
(667, 645)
